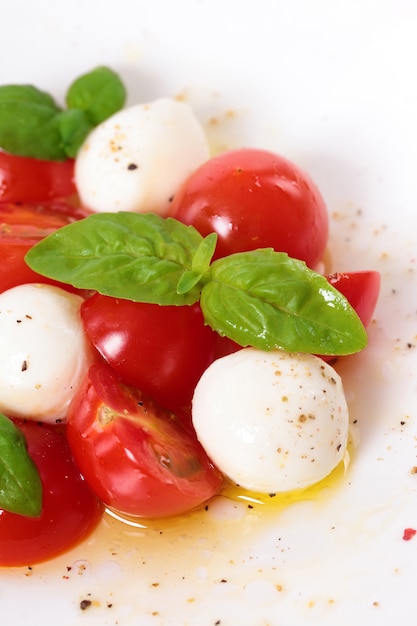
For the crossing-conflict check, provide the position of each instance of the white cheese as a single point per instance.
(44, 351)
(137, 159)
(272, 421)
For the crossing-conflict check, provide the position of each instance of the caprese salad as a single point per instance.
(164, 326)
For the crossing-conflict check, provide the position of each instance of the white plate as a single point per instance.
(332, 85)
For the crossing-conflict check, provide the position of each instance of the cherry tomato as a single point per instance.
(24, 179)
(139, 458)
(255, 199)
(23, 225)
(70, 510)
(361, 289)
(162, 350)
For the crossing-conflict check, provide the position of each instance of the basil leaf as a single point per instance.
(74, 128)
(99, 93)
(204, 253)
(200, 265)
(268, 300)
(28, 94)
(30, 130)
(28, 124)
(134, 256)
(20, 484)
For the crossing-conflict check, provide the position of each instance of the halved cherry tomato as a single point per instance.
(23, 225)
(361, 289)
(70, 511)
(23, 179)
(138, 458)
(255, 199)
(162, 350)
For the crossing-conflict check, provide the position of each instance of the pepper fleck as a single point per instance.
(85, 604)
(132, 166)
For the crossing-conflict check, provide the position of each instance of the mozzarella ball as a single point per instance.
(137, 159)
(271, 421)
(44, 351)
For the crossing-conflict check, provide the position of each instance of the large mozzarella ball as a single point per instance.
(271, 421)
(44, 351)
(137, 159)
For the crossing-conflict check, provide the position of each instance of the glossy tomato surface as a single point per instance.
(361, 289)
(70, 511)
(25, 179)
(23, 225)
(255, 199)
(138, 458)
(162, 350)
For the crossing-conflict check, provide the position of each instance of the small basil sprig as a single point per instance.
(261, 298)
(33, 125)
(20, 484)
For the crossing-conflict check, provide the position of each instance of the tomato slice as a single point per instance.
(361, 289)
(162, 350)
(24, 179)
(255, 199)
(70, 511)
(23, 225)
(139, 458)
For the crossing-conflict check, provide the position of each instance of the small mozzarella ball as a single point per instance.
(44, 351)
(137, 159)
(271, 421)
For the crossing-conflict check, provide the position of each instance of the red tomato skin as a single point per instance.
(23, 179)
(255, 199)
(139, 459)
(23, 225)
(162, 350)
(361, 289)
(70, 509)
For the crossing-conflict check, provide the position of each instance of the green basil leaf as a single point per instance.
(30, 129)
(204, 253)
(28, 94)
(134, 256)
(268, 300)
(74, 128)
(187, 281)
(20, 484)
(99, 93)
(200, 265)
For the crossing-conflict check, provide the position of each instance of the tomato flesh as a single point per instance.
(23, 179)
(255, 199)
(70, 511)
(162, 350)
(23, 225)
(139, 458)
